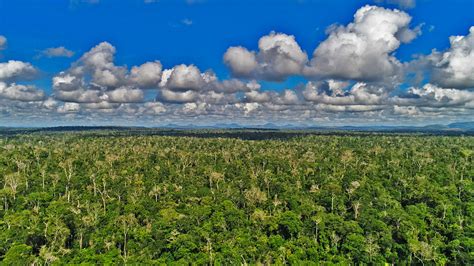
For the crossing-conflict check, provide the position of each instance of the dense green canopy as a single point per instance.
(77, 198)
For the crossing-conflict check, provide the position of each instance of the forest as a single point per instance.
(106, 198)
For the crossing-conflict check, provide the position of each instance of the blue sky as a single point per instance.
(142, 31)
(199, 32)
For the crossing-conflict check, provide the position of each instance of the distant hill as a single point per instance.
(462, 125)
(459, 127)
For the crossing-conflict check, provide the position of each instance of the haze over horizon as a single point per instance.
(153, 63)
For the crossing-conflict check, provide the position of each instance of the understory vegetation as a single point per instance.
(71, 198)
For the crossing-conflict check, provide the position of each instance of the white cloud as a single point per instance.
(195, 108)
(60, 51)
(103, 105)
(13, 71)
(454, 67)
(406, 110)
(184, 77)
(67, 82)
(69, 108)
(218, 98)
(359, 94)
(248, 107)
(98, 62)
(288, 97)
(20, 92)
(259, 97)
(147, 75)
(279, 56)
(356, 108)
(232, 85)
(154, 108)
(363, 50)
(433, 96)
(94, 78)
(50, 103)
(185, 83)
(241, 61)
(16, 70)
(79, 95)
(177, 97)
(124, 95)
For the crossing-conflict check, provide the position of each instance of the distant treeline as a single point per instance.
(241, 133)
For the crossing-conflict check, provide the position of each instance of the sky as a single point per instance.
(205, 62)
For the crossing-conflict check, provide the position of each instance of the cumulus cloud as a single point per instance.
(94, 82)
(60, 51)
(454, 67)
(177, 97)
(433, 96)
(356, 108)
(154, 108)
(186, 83)
(183, 78)
(211, 97)
(363, 50)
(95, 78)
(406, 110)
(20, 92)
(248, 107)
(278, 57)
(16, 70)
(359, 94)
(13, 71)
(147, 75)
(67, 82)
(99, 64)
(259, 97)
(69, 108)
(101, 106)
(276, 101)
(272, 101)
(79, 95)
(288, 97)
(195, 108)
(241, 61)
(50, 103)
(124, 95)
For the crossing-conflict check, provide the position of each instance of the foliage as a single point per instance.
(363, 199)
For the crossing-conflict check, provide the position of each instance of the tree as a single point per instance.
(19, 254)
(126, 222)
